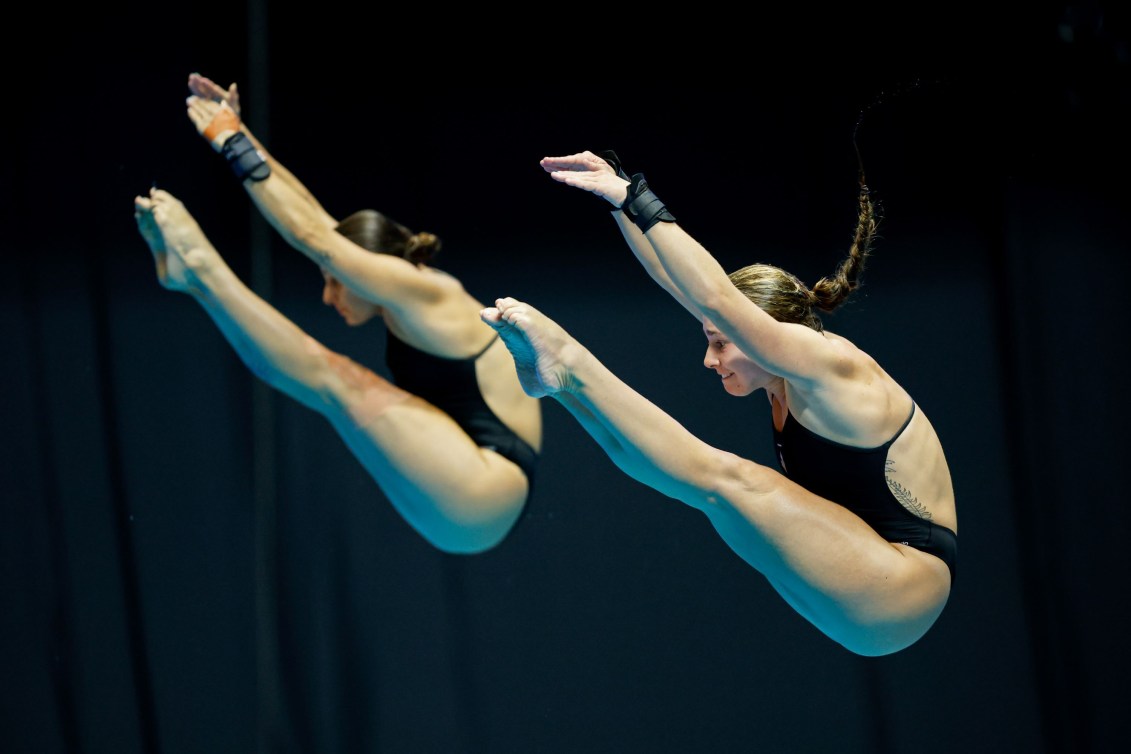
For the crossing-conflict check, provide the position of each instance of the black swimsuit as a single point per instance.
(451, 385)
(855, 478)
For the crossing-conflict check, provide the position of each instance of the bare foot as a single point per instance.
(537, 344)
(174, 237)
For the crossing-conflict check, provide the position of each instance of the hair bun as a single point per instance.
(421, 247)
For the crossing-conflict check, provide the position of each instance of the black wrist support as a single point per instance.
(245, 160)
(643, 207)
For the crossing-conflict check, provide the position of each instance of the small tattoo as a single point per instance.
(903, 495)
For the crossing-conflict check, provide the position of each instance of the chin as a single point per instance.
(357, 320)
(737, 389)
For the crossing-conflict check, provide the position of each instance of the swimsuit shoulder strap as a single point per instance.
(484, 349)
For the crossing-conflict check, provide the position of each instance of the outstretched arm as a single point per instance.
(793, 351)
(381, 278)
(593, 173)
(207, 89)
(684, 268)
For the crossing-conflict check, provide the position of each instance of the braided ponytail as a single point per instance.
(785, 298)
(831, 291)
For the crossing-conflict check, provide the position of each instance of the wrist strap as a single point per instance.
(245, 160)
(643, 207)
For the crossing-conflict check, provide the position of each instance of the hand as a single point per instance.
(587, 171)
(215, 121)
(206, 88)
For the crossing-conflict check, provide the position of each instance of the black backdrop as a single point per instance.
(194, 564)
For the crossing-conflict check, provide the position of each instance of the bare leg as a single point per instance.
(551, 363)
(460, 497)
(871, 596)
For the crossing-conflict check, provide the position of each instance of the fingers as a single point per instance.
(585, 181)
(579, 158)
(213, 120)
(583, 162)
(207, 89)
(206, 105)
(199, 112)
(575, 157)
(203, 86)
(550, 164)
(205, 108)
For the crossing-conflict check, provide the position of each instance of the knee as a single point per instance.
(873, 627)
(469, 538)
(474, 523)
(740, 479)
(878, 640)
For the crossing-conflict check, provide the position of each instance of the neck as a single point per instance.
(775, 390)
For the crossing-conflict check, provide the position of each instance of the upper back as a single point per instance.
(857, 404)
(446, 324)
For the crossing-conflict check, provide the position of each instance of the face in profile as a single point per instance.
(352, 308)
(739, 373)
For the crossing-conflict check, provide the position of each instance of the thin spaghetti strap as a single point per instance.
(484, 349)
(909, 418)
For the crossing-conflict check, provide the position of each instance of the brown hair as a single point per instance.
(371, 230)
(785, 298)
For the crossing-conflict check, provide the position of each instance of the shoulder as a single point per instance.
(435, 294)
(442, 280)
(848, 359)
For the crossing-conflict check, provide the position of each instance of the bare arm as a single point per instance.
(383, 279)
(795, 352)
(207, 89)
(687, 271)
(646, 254)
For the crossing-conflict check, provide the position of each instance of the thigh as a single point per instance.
(458, 495)
(828, 563)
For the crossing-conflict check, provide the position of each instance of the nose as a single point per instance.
(328, 293)
(709, 359)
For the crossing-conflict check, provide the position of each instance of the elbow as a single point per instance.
(715, 298)
(312, 240)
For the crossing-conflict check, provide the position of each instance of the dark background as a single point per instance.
(191, 563)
